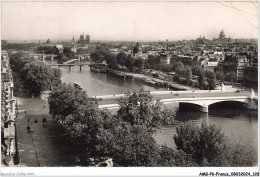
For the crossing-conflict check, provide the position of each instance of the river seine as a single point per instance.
(236, 123)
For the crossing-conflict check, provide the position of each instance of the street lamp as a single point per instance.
(25, 118)
(16, 110)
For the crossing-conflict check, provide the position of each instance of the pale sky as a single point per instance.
(131, 21)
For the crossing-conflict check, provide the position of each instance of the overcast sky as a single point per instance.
(132, 21)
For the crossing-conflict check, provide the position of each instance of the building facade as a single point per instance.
(235, 63)
(82, 40)
(250, 78)
(8, 113)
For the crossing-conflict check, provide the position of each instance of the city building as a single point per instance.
(87, 39)
(82, 40)
(235, 63)
(8, 113)
(250, 78)
(74, 48)
(222, 35)
(210, 65)
(165, 58)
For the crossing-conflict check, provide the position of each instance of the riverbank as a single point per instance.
(146, 79)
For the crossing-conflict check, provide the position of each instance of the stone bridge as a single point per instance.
(198, 100)
(75, 62)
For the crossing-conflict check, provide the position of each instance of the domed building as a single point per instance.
(222, 35)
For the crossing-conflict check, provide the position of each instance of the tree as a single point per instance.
(239, 153)
(121, 58)
(164, 67)
(211, 76)
(197, 69)
(37, 77)
(111, 61)
(102, 54)
(18, 60)
(61, 58)
(138, 108)
(220, 75)
(152, 62)
(129, 63)
(54, 50)
(179, 67)
(202, 143)
(55, 77)
(98, 55)
(68, 53)
(64, 100)
(231, 76)
(188, 75)
(135, 50)
(139, 64)
(86, 128)
(172, 158)
(202, 79)
(134, 146)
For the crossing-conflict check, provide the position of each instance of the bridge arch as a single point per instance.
(203, 105)
(187, 106)
(228, 103)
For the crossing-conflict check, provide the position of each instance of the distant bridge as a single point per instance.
(198, 100)
(42, 56)
(80, 64)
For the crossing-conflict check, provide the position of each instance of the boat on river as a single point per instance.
(77, 85)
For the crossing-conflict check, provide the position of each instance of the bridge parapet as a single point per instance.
(200, 104)
(167, 92)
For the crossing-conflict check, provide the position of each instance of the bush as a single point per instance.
(171, 158)
(208, 146)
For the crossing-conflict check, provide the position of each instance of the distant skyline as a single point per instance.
(128, 21)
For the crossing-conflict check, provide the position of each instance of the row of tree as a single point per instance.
(35, 75)
(230, 76)
(62, 55)
(206, 79)
(115, 61)
(127, 136)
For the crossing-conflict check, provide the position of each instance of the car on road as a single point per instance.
(237, 91)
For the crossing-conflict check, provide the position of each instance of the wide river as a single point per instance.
(236, 123)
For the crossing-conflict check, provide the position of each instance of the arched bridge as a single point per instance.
(199, 100)
(42, 56)
(76, 63)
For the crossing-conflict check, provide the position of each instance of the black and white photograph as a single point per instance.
(129, 84)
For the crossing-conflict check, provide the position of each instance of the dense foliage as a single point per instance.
(102, 54)
(138, 108)
(35, 75)
(18, 60)
(209, 146)
(38, 77)
(127, 137)
(121, 58)
(18, 46)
